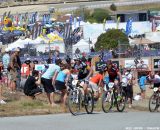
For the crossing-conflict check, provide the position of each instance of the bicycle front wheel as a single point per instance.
(121, 101)
(153, 101)
(107, 101)
(74, 102)
(89, 102)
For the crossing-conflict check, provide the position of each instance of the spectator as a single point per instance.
(127, 78)
(6, 59)
(92, 49)
(18, 69)
(31, 87)
(49, 61)
(13, 69)
(142, 82)
(48, 78)
(61, 80)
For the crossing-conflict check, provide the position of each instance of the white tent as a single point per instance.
(82, 45)
(38, 40)
(153, 36)
(18, 43)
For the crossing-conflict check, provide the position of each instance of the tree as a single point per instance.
(111, 39)
(113, 7)
(99, 15)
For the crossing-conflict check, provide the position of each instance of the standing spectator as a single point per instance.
(127, 78)
(142, 82)
(49, 60)
(6, 59)
(48, 79)
(18, 69)
(92, 49)
(61, 80)
(31, 87)
(13, 68)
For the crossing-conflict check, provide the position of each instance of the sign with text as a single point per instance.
(100, 66)
(25, 70)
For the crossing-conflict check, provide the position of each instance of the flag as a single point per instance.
(153, 25)
(104, 23)
(75, 22)
(118, 20)
(129, 26)
(79, 21)
(70, 19)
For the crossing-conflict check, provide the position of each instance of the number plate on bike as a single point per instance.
(155, 89)
(74, 82)
(110, 85)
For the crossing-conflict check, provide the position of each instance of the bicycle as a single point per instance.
(154, 101)
(111, 97)
(77, 100)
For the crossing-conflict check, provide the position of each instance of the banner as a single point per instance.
(129, 26)
(118, 20)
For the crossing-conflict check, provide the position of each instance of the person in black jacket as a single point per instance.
(31, 87)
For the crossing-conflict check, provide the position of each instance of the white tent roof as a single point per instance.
(18, 43)
(153, 36)
(82, 45)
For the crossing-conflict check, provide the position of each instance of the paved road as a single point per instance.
(97, 121)
(73, 6)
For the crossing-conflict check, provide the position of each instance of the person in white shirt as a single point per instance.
(127, 80)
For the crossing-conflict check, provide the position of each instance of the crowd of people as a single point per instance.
(58, 72)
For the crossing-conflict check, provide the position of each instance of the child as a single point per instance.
(31, 88)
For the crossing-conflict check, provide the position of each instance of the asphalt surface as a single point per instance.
(96, 121)
(73, 6)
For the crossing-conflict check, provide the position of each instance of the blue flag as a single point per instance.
(129, 26)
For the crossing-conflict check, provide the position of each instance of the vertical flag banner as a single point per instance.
(129, 26)
(75, 22)
(104, 23)
(153, 25)
(118, 20)
(70, 19)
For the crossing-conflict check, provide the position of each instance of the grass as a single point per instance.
(19, 105)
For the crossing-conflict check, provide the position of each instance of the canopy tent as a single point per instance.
(82, 45)
(153, 36)
(18, 43)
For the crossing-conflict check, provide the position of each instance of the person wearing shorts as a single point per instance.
(95, 82)
(48, 79)
(31, 88)
(142, 82)
(61, 81)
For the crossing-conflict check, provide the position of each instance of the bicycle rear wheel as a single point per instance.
(74, 102)
(89, 102)
(107, 101)
(153, 101)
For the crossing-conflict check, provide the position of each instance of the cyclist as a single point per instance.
(113, 72)
(82, 69)
(94, 83)
(155, 79)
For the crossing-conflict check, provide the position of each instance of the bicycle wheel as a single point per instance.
(74, 102)
(89, 102)
(121, 101)
(107, 101)
(153, 103)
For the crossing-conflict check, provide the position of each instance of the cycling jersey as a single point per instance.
(113, 73)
